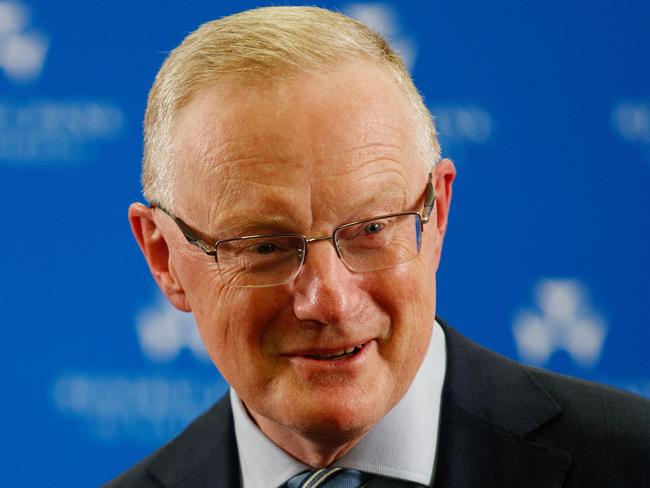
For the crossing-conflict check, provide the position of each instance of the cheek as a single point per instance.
(238, 327)
(255, 316)
(409, 300)
(406, 290)
(211, 303)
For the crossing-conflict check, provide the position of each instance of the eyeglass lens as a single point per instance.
(363, 246)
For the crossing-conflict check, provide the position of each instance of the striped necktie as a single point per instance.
(329, 478)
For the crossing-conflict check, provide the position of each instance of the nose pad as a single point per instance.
(303, 254)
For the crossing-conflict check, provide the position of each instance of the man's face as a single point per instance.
(304, 156)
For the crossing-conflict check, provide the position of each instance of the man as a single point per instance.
(298, 210)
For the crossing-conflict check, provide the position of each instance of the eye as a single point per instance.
(265, 248)
(373, 228)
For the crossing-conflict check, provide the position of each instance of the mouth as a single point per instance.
(331, 355)
(337, 355)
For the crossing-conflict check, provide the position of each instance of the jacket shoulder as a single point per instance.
(602, 433)
(207, 443)
(595, 407)
(136, 476)
(606, 430)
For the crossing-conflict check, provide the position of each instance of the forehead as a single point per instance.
(330, 140)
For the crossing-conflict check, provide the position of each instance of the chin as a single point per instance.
(334, 417)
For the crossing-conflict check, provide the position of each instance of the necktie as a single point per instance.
(329, 478)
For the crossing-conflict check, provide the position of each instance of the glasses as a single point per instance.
(264, 260)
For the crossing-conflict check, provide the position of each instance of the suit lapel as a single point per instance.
(489, 405)
(204, 455)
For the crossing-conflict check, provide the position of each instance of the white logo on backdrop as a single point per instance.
(563, 319)
(464, 123)
(631, 120)
(164, 332)
(458, 124)
(383, 19)
(22, 48)
(40, 132)
(139, 407)
(132, 407)
(43, 131)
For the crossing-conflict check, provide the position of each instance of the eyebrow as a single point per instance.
(391, 202)
(387, 199)
(246, 224)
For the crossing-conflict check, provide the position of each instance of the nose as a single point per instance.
(325, 290)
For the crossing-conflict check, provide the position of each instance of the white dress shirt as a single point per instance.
(402, 445)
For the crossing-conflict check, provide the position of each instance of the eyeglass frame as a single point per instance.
(192, 236)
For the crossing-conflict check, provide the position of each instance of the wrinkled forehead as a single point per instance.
(318, 136)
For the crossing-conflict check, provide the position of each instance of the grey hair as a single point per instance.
(254, 46)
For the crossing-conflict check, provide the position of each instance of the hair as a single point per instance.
(255, 46)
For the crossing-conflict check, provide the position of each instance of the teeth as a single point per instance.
(338, 354)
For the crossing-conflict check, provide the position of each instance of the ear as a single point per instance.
(155, 248)
(443, 175)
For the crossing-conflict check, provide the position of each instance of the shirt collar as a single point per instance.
(402, 444)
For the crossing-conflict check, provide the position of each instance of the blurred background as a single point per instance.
(544, 107)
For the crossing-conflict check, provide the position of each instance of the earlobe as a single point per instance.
(155, 249)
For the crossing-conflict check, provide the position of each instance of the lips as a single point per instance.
(337, 355)
(331, 354)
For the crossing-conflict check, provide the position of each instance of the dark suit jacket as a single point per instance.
(502, 425)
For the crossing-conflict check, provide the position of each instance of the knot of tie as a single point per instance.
(329, 478)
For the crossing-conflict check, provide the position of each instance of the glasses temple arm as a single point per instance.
(429, 200)
(190, 234)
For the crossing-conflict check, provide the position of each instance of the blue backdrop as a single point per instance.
(544, 106)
